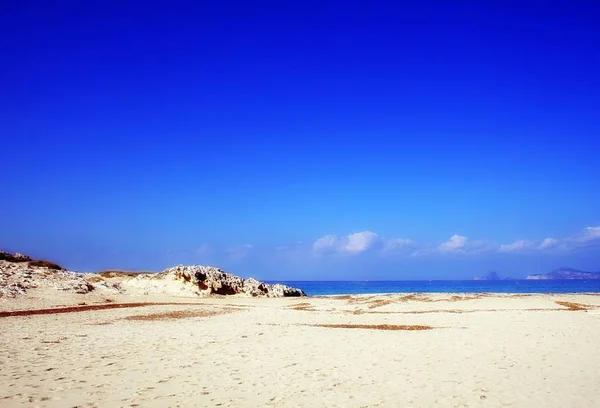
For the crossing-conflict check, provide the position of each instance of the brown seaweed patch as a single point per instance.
(85, 308)
(414, 298)
(359, 299)
(304, 306)
(359, 311)
(379, 303)
(456, 311)
(456, 298)
(179, 314)
(105, 323)
(407, 327)
(572, 306)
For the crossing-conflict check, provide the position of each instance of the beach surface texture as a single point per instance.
(442, 350)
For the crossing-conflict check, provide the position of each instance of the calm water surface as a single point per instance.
(319, 288)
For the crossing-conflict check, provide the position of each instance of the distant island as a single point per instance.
(566, 273)
(560, 273)
(490, 276)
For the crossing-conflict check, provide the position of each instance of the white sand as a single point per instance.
(492, 351)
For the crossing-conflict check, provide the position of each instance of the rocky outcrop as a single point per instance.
(16, 278)
(19, 273)
(199, 280)
(490, 276)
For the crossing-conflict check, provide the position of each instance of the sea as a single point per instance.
(323, 288)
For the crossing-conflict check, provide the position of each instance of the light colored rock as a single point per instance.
(253, 287)
(16, 278)
(198, 280)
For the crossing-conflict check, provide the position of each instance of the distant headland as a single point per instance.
(566, 273)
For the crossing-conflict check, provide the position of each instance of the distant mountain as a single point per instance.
(489, 276)
(566, 273)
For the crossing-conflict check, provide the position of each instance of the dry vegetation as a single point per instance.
(5, 256)
(46, 264)
(113, 274)
(374, 326)
(121, 274)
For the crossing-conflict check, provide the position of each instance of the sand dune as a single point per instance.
(346, 351)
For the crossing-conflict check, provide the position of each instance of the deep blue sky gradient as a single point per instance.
(139, 136)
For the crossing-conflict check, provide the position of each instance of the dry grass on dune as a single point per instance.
(110, 274)
(46, 264)
(121, 274)
(416, 327)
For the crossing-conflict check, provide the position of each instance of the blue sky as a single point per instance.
(303, 140)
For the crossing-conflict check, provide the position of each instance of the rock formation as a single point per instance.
(19, 273)
(199, 280)
(490, 276)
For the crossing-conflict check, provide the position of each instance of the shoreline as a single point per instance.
(456, 293)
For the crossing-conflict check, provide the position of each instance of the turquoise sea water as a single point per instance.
(320, 288)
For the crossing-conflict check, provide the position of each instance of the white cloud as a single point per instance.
(364, 241)
(516, 246)
(325, 243)
(548, 243)
(589, 234)
(353, 243)
(456, 243)
(359, 241)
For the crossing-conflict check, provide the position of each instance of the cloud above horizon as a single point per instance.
(353, 243)
(519, 245)
(589, 236)
(456, 243)
(365, 241)
(548, 243)
(369, 242)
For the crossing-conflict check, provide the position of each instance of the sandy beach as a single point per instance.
(447, 350)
